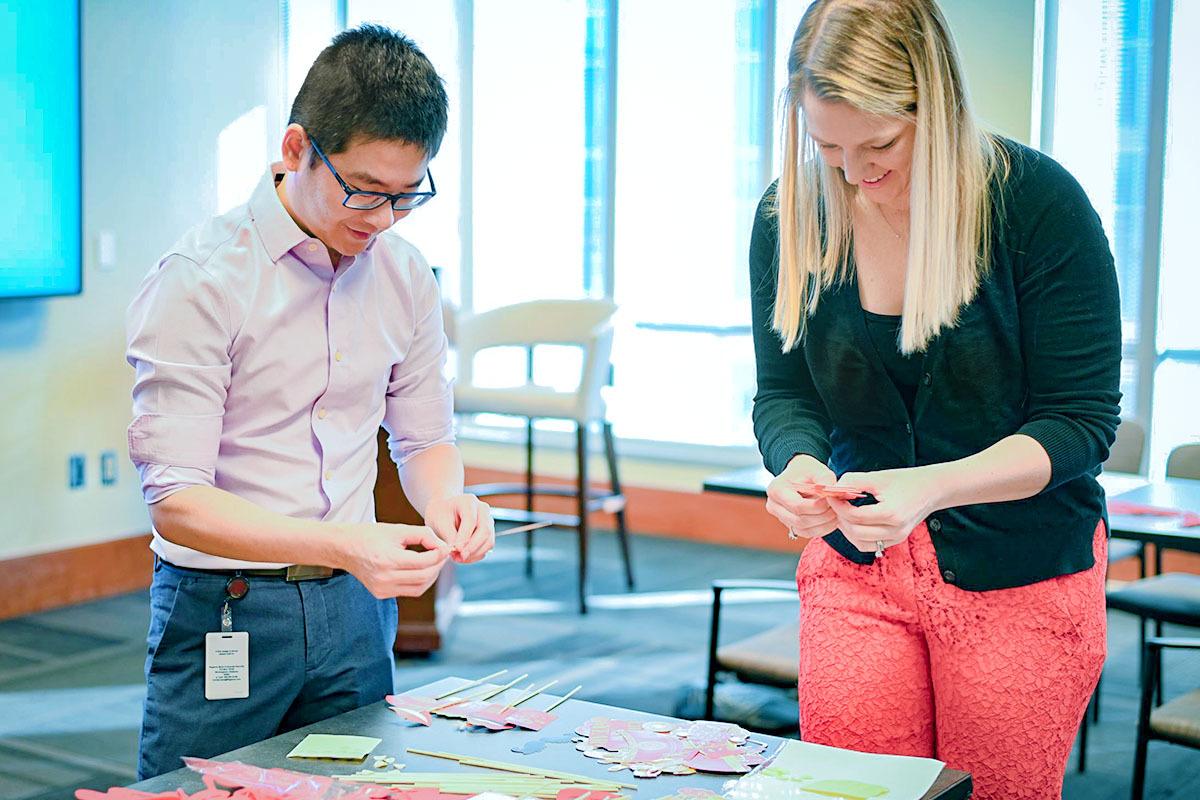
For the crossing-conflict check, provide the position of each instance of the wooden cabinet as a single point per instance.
(422, 620)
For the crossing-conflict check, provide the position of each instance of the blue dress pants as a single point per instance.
(317, 648)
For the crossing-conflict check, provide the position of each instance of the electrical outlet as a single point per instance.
(76, 471)
(108, 468)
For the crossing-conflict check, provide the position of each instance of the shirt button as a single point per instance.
(949, 576)
(322, 414)
(926, 379)
(935, 525)
(337, 356)
(328, 474)
(312, 248)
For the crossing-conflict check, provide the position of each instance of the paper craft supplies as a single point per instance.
(650, 749)
(335, 746)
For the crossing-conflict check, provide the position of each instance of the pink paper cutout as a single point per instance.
(1188, 519)
(492, 716)
(413, 708)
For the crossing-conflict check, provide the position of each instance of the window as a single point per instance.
(1177, 376)
(435, 227)
(1121, 125)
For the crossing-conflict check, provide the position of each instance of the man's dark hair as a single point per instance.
(376, 83)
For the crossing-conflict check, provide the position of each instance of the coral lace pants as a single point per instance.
(895, 660)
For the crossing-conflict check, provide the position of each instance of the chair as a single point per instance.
(1127, 454)
(1172, 597)
(1184, 462)
(771, 657)
(586, 324)
(1177, 721)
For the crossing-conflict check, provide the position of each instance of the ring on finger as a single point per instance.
(879, 548)
(793, 535)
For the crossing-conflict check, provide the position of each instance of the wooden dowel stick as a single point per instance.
(487, 694)
(564, 698)
(471, 685)
(531, 694)
(506, 767)
(533, 526)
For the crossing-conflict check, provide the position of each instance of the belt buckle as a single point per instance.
(304, 572)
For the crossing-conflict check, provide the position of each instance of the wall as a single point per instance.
(996, 40)
(162, 81)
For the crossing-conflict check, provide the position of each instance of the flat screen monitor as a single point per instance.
(40, 140)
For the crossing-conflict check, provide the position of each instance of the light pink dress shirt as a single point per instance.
(262, 371)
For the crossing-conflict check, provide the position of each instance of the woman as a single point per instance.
(936, 321)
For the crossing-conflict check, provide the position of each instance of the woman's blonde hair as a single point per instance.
(892, 58)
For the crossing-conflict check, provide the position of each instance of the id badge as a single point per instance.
(227, 665)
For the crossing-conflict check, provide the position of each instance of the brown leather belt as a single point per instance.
(296, 572)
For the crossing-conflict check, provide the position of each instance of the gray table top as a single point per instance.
(1175, 493)
(444, 735)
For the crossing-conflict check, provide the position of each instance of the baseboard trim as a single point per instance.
(76, 575)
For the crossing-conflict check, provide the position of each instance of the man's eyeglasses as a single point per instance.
(365, 201)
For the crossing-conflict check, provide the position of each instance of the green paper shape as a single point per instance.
(335, 746)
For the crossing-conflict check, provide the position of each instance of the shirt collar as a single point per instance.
(278, 231)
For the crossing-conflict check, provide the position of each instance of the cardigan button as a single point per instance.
(908, 428)
(935, 525)
(949, 576)
(926, 379)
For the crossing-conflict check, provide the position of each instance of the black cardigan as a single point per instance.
(1037, 352)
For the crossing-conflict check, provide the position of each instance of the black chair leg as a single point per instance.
(529, 494)
(710, 687)
(1158, 654)
(1149, 679)
(1081, 764)
(1142, 656)
(581, 456)
(1096, 700)
(610, 454)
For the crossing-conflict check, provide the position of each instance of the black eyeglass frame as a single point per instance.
(416, 199)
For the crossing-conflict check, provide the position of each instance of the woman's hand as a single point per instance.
(905, 498)
(804, 517)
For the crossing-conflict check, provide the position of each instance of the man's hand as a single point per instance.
(380, 555)
(464, 522)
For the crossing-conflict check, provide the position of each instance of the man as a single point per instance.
(269, 345)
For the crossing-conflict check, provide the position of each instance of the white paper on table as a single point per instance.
(805, 771)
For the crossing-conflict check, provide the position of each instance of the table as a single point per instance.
(751, 481)
(1163, 532)
(376, 720)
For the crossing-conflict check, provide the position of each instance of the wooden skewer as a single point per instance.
(532, 694)
(533, 526)
(487, 694)
(471, 685)
(471, 761)
(564, 698)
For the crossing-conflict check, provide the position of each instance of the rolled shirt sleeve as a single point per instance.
(419, 406)
(179, 333)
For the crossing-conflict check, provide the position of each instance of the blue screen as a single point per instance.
(40, 169)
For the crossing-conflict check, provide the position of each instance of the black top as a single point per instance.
(1037, 352)
(904, 370)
